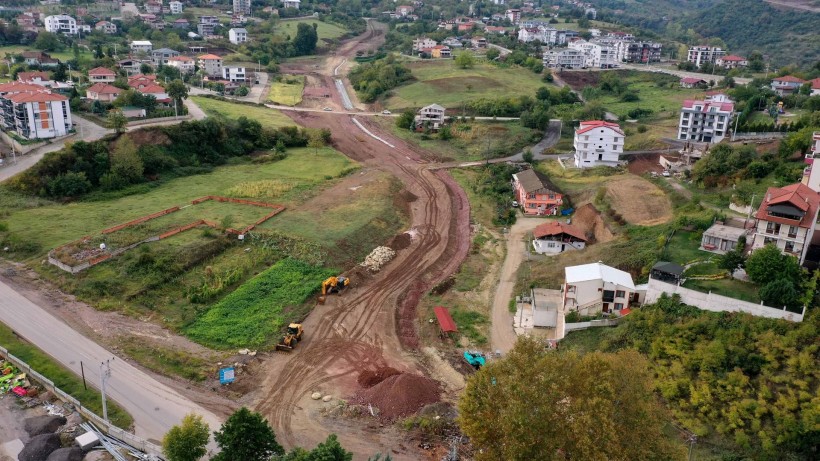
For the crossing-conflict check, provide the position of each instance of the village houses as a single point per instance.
(590, 289)
(786, 218)
(598, 143)
(432, 116)
(705, 120)
(101, 75)
(536, 194)
(556, 237)
(238, 35)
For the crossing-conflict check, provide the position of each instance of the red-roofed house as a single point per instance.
(185, 64)
(536, 194)
(156, 91)
(101, 75)
(35, 114)
(35, 78)
(18, 87)
(815, 87)
(556, 237)
(787, 85)
(731, 61)
(102, 92)
(598, 143)
(692, 82)
(404, 10)
(786, 218)
(141, 81)
(705, 120)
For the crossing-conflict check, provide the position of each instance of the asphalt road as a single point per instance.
(154, 406)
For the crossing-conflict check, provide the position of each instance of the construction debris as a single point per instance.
(378, 258)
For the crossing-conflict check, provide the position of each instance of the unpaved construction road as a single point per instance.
(373, 324)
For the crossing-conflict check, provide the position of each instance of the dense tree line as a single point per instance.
(184, 149)
(371, 80)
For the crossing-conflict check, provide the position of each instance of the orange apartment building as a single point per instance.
(536, 194)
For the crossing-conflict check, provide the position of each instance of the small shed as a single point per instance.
(666, 272)
(445, 321)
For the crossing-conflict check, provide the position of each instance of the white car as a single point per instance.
(327, 109)
(666, 173)
(386, 112)
(515, 204)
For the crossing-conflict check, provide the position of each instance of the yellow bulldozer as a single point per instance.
(291, 338)
(333, 285)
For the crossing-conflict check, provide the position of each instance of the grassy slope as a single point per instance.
(442, 82)
(324, 29)
(289, 94)
(267, 117)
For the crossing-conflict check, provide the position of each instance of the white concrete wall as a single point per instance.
(717, 303)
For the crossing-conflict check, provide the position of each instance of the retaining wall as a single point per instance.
(717, 303)
(149, 121)
(110, 429)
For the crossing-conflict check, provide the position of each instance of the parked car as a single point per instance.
(515, 203)
(386, 112)
(327, 109)
(666, 173)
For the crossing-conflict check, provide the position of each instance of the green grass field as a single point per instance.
(64, 55)
(269, 118)
(727, 287)
(288, 91)
(324, 29)
(442, 82)
(664, 101)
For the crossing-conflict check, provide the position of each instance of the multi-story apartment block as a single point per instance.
(598, 143)
(536, 194)
(705, 120)
(238, 35)
(207, 25)
(242, 7)
(422, 43)
(161, 56)
(616, 47)
(234, 74)
(34, 112)
(513, 15)
(61, 24)
(596, 55)
(141, 46)
(786, 218)
(643, 52)
(211, 64)
(175, 7)
(700, 55)
(566, 59)
(811, 174)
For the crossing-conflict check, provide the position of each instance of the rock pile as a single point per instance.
(399, 395)
(378, 258)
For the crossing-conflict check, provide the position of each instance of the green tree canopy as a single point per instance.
(244, 436)
(768, 264)
(116, 121)
(306, 38)
(465, 60)
(545, 405)
(187, 441)
(329, 450)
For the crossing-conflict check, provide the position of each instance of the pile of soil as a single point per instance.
(399, 395)
(369, 378)
(400, 241)
(588, 218)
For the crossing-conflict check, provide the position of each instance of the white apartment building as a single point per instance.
(540, 33)
(234, 74)
(185, 64)
(36, 114)
(238, 35)
(211, 64)
(291, 4)
(596, 55)
(598, 143)
(616, 47)
(566, 59)
(61, 24)
(423, 43)
(162, 56)
(175, 7)
(811, 174)
(513, 15)
(592, 288)
(705, 120)
(786, 218)
(700, 55)
(242, 7)
(141, 46)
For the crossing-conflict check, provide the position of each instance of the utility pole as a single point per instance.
(737, 118)
(105, 373)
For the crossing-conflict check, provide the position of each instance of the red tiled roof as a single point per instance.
(732, 57)
(104, 88)
(722, 106)
(815, 84)
(101, 71)
(26, 76)
(18, 87)
(797, 195)
(789, 79)
(444, 320)
(152, 89)
(691, 80)
(209, 57)
(558, 228)
(35, 96)
(181, 58)
(592, 124)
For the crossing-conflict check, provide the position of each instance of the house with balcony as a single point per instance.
(162, 56)
(536, 194)
(61, 24)
(811, 174)
(101, 75)
(787, 85)
(706, 120)
(141, 46)
(234, 74)
(106, 27)
(207, 25)
(39, 58)
(590, 289)
(211, 64)
(34, 112)
(185, 64)
(732, 62)
(786, 218)
(598, 143)
(432, 116)
(723, 236)
(556, 237)
(175, 7)
(103, 92)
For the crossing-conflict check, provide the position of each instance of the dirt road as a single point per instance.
(502, 336)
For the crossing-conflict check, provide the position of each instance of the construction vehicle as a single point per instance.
(475, 358)
(291, 338)
(333, 285)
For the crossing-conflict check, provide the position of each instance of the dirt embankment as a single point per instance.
(588, 218)
(639, 201)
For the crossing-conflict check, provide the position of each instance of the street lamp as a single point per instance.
(105, 373)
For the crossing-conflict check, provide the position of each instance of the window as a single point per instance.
(789, 247)
(620, 294)
(531, 196)
(608, 296)
(792, 232)
(551, 245)
(619, 306)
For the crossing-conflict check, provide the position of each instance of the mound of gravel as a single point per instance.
(399, 395)
(45, 424)
(67, 454)
(369, 378)
(39, 447)
(378, 258)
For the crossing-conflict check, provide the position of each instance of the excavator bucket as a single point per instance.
(283, 347)
(322, 299)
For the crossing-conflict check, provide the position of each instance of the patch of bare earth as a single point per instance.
(639, 201)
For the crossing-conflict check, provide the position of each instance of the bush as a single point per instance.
(69, 185)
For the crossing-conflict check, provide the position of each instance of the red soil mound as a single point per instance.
(369, 378)
(400, 395)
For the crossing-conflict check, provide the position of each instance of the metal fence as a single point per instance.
(105, 426)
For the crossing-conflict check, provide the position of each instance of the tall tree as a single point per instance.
(306, 38)
(465, 60)
(116, 120)
(546, 405)
(244, 436)
(187, 441)
(769, 264)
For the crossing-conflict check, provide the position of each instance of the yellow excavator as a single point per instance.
(291, 338)
(333, 285)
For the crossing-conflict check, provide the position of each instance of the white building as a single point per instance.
(242, 7)
(432, 114)
(700, 55)
(541, 33)
(141, 46)
(786, 218)
(705, 120)
(596, 55)
(175, 7)
(36, 114)
(185, 64)
(593, 288)
(556, 237)
(291, 4)
(106, 27)
(238, 35)
(566, 59)
(61, 24)
(732, 62)
(422, 43)
(234, 74)
(513, 15)
(811, 174)
(598, 143)
(162, 56)
(211, 64)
